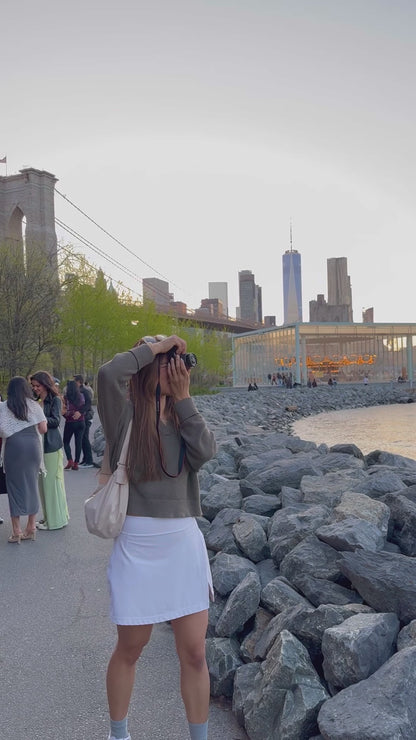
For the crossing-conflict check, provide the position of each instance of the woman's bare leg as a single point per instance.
(190, 634)
(31, 523)
(16, 525)
(122, 667)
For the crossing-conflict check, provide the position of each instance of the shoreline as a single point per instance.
(272, 408)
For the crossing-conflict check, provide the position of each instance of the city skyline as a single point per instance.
(197, 161)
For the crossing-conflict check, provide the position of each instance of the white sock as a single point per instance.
(118, 728)
(199, 732)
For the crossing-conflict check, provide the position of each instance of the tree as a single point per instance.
(29, 292)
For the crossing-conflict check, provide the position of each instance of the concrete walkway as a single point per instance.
(56, 639)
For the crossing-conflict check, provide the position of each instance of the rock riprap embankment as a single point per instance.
(313, 630)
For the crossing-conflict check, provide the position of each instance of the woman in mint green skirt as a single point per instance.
(52, 486)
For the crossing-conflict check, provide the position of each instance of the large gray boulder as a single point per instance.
(403, 522)
(222, 495)
(290, 496)
(251, 539)
(247, 647)
(278, 596)
(265, 504)
(243, 684)
(386, 581)
(407, 636)
(262, 461)
(286, 694)
(219, 536)
(348, 449)
(352, 534)
(328, 489)
(313, 558)
(356, 648)
(383, 707)
(223, 659)
(228, 571)
(291, 525)
(241, 605)
(360, 506)
(320, 591)
(285, 473)
(267, 570)
(335, 461)
(309, 625)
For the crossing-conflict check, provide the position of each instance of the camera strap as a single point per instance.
(181, 458)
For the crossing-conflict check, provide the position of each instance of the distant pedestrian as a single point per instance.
(86, 461)
(22, 421)
(73, 412)
(365, 381)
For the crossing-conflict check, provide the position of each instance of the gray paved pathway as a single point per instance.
(56, 638)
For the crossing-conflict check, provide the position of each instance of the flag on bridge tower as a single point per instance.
(3, 161)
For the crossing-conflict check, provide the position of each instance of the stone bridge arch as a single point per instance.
(29, 194)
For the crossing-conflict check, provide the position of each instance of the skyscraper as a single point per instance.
(339, 305)
(156, 290)
(250, 297)
(220, 291)
(339, 284)
(292, 285)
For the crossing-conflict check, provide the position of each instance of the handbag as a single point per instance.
(105, 510)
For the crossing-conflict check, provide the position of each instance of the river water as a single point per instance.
(389, 428)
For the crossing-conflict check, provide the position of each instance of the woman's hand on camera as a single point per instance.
(160, 348)
(179, 378)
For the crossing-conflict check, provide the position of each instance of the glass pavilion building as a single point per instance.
(346, 352)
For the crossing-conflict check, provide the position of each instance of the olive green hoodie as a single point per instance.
(167, 497)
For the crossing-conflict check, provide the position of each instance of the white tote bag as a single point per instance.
(105, 510)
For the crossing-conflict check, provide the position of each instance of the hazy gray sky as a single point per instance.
(195, 130)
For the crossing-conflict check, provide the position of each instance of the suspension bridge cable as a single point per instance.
(107, 257)
(98, 251)
(113, 237)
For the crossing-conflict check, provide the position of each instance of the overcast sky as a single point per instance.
(195, 130)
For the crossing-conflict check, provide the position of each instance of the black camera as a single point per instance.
(189, 358)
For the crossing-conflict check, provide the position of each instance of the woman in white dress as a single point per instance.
(159, 568)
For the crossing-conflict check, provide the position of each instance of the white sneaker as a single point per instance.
(111, 737)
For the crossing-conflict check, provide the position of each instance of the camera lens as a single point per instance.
(190, 360)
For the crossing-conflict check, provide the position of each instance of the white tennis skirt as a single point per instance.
(158, 571)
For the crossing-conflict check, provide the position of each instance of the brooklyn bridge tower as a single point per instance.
(29, 196)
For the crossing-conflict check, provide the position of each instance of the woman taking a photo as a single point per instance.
(22, 421)
(52, 486)
(159, 568)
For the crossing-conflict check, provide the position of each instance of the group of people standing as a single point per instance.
(32, 448)
(78, 413)
(281, 379)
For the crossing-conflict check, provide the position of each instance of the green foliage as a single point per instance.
(29, 290)
(76, 324)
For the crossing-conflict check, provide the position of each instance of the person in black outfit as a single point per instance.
(73, 412)
(86, 461)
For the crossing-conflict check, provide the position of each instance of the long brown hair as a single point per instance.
(143, 457)
(45, 379)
